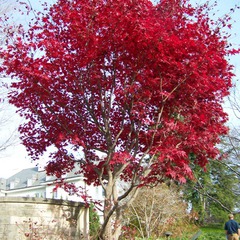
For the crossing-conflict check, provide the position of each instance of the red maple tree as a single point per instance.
(129, 90)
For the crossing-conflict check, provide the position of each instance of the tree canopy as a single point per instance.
(127, 89)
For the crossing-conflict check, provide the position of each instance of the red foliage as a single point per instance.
(127, 78)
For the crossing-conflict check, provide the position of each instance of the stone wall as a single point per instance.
(42, 219)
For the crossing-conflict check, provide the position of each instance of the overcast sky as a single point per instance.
(15, 158)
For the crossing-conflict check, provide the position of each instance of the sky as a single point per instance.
(15, 157)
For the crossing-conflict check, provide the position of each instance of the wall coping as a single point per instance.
(35, 200)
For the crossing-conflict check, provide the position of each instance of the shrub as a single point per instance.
(94, 222)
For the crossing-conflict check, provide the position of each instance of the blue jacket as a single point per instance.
(231, 226)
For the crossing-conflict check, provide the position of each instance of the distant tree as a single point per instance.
(6, 10)
(157, 210)
(127, 89)
(9, 136)
(230, 148)
(225, 183)
(231, 143)
(212, 195)
(233, 101)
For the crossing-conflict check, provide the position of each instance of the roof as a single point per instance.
(31, 177)
(22, 179)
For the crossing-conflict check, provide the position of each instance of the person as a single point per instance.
(232, 228)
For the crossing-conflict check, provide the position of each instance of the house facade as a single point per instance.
(35, 183)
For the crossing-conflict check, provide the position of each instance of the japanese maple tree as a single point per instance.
(129, 90)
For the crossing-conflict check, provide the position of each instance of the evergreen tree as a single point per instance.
(212, 194)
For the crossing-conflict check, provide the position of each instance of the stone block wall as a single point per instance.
(42, 219)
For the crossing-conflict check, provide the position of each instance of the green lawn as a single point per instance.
(208, 233)
(212, 234)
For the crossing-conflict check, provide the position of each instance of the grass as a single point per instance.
(208, 233)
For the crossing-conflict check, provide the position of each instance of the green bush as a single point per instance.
(94, 222)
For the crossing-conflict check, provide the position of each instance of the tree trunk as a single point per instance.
(118, 224)
(106, 230)
(111, 228)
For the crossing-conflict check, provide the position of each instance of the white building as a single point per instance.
(34, 182)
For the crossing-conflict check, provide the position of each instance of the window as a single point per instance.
(12, 185)
(55, 195)
(29, 182)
